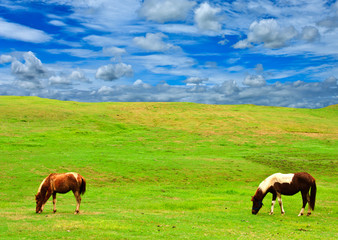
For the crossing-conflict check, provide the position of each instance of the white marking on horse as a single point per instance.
(272, 206)
(39, 190)
(277, 177)
(75, 175)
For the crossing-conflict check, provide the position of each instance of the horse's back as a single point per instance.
(284, 178)
(65, 182)
(305, 177)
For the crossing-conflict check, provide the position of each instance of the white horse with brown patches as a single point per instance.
(286, 184)
(60, 183)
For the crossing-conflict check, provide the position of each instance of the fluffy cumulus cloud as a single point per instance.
(30, 72)
(22, 33)
(206, 18)
(165, 10)
(112, 72)
(268, 32)
(154, 42)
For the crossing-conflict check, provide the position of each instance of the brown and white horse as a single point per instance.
(286, 184)
(60, 183)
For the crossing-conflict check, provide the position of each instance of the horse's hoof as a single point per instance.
(54, 211)
(271, 213)
(301, 214)
(308, 214)
(76, 212)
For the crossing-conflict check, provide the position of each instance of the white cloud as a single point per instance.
(104, 90)
(59, 80)
(78, 75)
(5, 59)
(206, 18)
(57, 23)
(114, 51)
(74, 76)
(31, 71)
(112, 72)
(165, 10)
(104, 15)
(22, 33)
(268, 32)
(140, 83)
(154, 42)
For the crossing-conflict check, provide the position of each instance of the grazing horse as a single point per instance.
(60, 183)
(286, 184)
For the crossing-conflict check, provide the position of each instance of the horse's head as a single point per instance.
(256, 205)
(39, 201)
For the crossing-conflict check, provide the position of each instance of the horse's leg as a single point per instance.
(78, 201)
(274, 196)
(48, 194)
(305, 200)
(279, 196)
(308, 201)
(54, 202)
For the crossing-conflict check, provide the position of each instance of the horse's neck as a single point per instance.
(44, 185)
(259, 195)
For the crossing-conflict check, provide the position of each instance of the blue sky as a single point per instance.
(273, 53)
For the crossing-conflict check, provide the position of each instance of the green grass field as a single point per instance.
(164, 170)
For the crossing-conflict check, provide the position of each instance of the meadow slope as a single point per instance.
(164, 170)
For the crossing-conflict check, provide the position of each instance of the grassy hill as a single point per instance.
(164, 170)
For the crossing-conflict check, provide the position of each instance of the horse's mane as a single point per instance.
(44, 186)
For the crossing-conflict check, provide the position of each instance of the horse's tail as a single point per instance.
(313, 195)
(83, 186)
